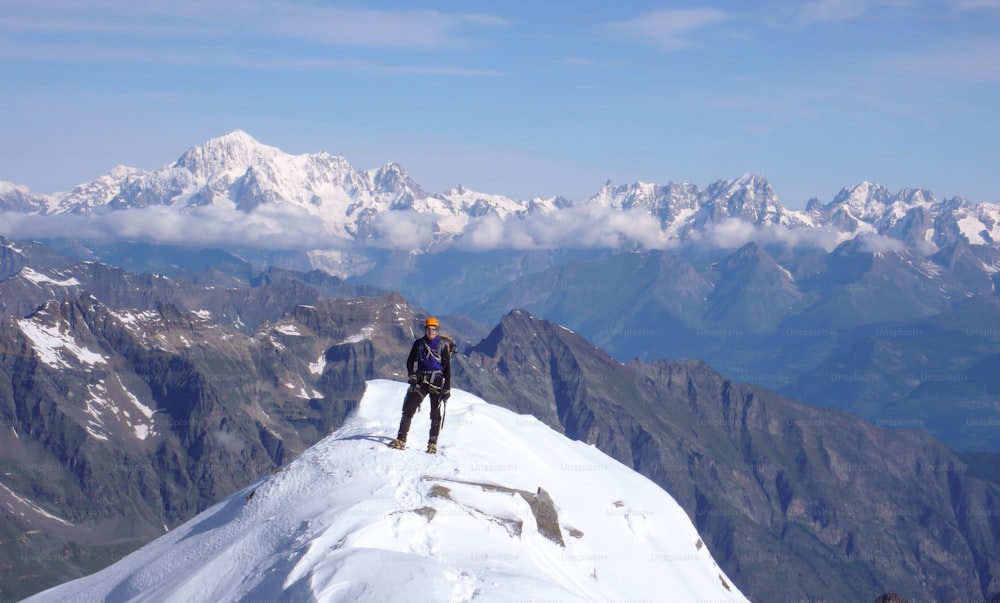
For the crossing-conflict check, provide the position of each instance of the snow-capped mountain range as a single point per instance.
(235, 175)
(509, 510)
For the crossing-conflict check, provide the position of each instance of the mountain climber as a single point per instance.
(429, 373)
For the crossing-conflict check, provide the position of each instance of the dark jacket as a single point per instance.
(429, 357)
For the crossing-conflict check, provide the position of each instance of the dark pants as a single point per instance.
(414, 397)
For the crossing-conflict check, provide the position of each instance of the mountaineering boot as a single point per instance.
(398, 444)
(432, 448)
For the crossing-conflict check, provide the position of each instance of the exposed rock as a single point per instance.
(774, 486)
(542, 507)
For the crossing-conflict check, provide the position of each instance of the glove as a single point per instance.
(445, 394)
(412, 380)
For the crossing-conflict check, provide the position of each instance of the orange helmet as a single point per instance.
(431, 322)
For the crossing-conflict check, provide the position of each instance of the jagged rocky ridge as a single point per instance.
(891, 335)
(775, 487)
(117, 424)
(234, 172)
(778, 488)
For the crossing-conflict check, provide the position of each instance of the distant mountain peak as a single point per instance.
(234, 151)
(347, 206)
(392, 178)
(235, 138)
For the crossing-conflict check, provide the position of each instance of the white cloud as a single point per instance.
(734, 233)
(404, 229)
(972, 60)
(667, 28)
(270, 34)
(488, 232)
(304, 21)
(272, 227)
(574, 227)
(976, 4)
(873, 243)
(830, 11)
(821, 11)
(359, 27)
(228, 441)
(266, 227)
(601, 227)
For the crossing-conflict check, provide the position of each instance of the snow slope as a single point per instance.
(352, 520)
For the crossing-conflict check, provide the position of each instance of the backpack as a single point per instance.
(452, 346)
(444, 351)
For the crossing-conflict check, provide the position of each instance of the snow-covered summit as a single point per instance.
(234, 183)
(234, 151)
(508, 510)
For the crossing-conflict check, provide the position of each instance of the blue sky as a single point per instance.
(519, 98)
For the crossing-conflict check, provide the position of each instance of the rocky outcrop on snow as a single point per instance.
(776, 487)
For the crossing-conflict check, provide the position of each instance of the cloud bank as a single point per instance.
(287, 228)
(574, 227)
(267, 227)
(733, 233)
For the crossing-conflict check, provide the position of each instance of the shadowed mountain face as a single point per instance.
(880, 334)
(119, 421)
(775, 486)
(118, 424)
(353, 520)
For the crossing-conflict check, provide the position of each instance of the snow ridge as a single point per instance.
(352, 520)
